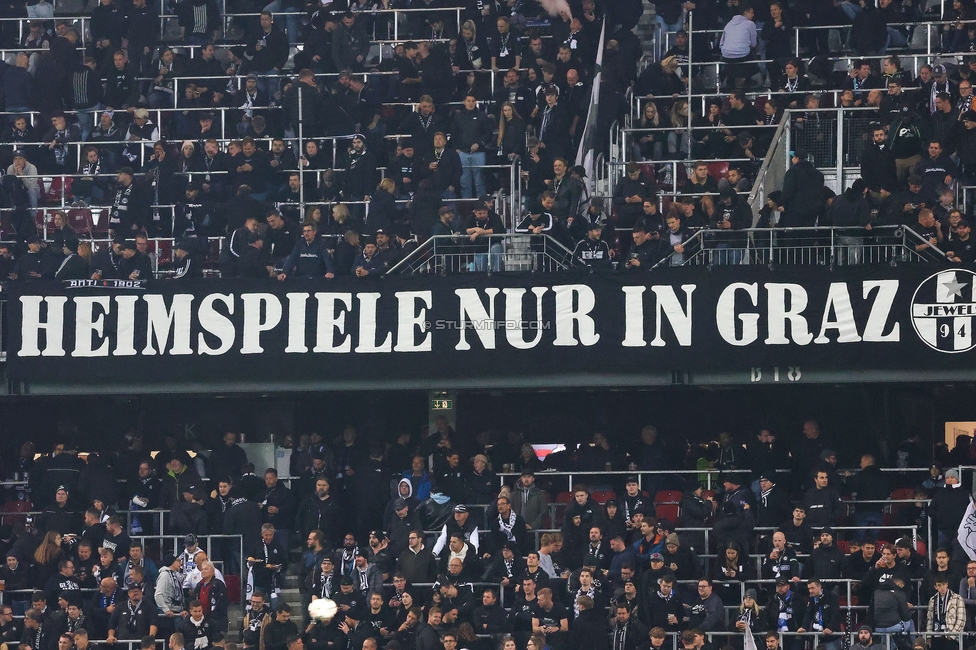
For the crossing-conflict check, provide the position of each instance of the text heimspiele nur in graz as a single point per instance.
(723, 325)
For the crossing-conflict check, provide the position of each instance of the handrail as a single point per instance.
(757, 195)
(749, 236)
(486, 253)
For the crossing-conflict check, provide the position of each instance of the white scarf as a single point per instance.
(506, 526)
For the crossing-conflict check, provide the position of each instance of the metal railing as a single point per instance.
(821, 246)
(445, 254)
(773, 169)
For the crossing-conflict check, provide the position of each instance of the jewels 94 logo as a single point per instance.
(943, 309)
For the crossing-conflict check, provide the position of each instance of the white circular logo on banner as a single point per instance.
(943, 309)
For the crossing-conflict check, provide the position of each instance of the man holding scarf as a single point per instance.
(509, 526)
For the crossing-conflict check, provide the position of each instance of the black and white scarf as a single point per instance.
(941, 609)
(591, 592)
(347, 560)
(92, 168)
(325, 586)
(620, 636)
(363, 578)
(506, 526)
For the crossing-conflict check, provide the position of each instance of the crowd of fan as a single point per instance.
(308, 146)
(419, 548)
(291, 173)
(913, 134)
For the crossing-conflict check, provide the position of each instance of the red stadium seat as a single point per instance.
(602, 496)
(647, 169)
(718, 169)
(760, 104)
(233, 583)
(887, 534)
(562, 500)
(100, 221)
(214, 254)
(668, 496)
(844, 546)
(54, 189)
(900, 494)
(80, 220)
(665, 205)
(40, 220)
(682, 174)
(9, 512)
(922, 548)
(669, 511)
(708, 494)
(164, 250)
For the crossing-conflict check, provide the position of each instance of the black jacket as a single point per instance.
(773, 508)
(422, 129)
(589, 630)
(244, 518)
(826, 610)
(320, 514)
(556, 136)
(825, 563)
(138, 263)
(822, 506)
(308, 109)
(469, 128)
(74, 267)
(851, 212)
(84, 88)
(361, 175)
(185, 13)
(802, 194)
(142, 28)
(217, 596)
(878, 167)
(948, 507)
(273, 54)
(634, 635)
(870, 484)
(655, 611)
(448, 173)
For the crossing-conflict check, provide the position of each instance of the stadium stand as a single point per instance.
(198, 138)
(183, 121)
(132, 545)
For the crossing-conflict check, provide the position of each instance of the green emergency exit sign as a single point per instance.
(441, 404)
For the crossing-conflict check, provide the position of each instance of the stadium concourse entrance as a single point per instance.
(855, 416)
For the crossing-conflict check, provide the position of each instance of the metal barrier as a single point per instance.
(822, 246)
(445, 254)
(707, 477)
(671, 176)
(928, 25)
(174, 544)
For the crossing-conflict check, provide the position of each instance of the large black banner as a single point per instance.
(685, 325)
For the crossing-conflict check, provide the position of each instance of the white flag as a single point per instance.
(967, 531)
(586, 154)
(749, 641)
